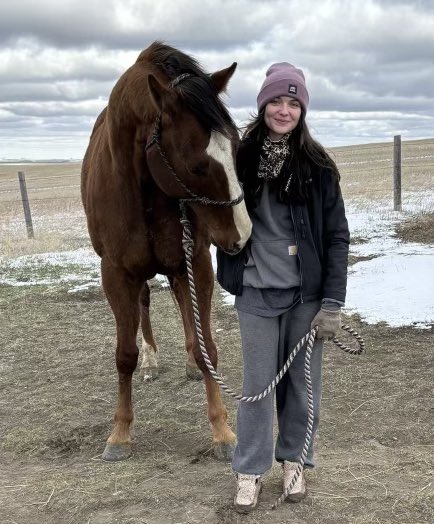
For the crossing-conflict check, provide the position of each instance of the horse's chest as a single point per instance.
(165, 240)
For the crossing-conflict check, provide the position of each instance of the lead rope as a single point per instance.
(187, 244)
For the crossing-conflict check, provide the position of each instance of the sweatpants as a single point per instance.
(266, 344)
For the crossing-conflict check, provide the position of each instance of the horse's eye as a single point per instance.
(199, 170)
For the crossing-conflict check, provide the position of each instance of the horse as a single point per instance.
(165, 136)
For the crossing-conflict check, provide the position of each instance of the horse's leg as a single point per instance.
(191, 369)
(223, 437)
(123, 293)
(149, 365)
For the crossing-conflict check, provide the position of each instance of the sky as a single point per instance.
(368, 64)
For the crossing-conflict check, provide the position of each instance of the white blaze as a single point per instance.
(220, 149)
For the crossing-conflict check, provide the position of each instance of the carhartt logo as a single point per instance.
(292, 89)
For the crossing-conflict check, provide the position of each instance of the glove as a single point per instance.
(328, 323)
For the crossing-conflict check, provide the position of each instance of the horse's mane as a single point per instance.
(197, 91)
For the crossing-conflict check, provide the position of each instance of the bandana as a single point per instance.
(273, 155)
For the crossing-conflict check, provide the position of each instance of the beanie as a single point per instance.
(283, 79)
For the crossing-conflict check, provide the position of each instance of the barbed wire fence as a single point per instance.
(354, 163)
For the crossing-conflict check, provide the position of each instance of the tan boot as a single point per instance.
(248, 489)
(298, 491)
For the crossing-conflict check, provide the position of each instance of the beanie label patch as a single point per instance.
(292, 89)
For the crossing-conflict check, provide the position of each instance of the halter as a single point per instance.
(199, 199)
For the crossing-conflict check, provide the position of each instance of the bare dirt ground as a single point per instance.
(58, 386)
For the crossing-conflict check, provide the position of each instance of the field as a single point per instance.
(58, 383)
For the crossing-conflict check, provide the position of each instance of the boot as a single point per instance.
(298, 491)
(248, 489)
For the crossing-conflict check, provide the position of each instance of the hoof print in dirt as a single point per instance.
(116, 452)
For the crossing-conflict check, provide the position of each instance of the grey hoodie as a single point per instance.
(272, 255)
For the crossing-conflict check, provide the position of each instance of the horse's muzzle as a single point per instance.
(234, 249)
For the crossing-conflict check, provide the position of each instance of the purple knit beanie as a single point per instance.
(283, 79)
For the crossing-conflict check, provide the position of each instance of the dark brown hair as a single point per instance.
(306, 155)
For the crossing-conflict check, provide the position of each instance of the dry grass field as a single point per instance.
(366, 170)
(54, 192)
(57, 213)
(58, 383)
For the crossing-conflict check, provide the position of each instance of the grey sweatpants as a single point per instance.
(266, 344)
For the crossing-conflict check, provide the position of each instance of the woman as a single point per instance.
(291, 277)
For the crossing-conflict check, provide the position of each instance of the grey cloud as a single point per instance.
(368, 64)
(54, 92)
(54, 109)
(133, 25)
(29, 60)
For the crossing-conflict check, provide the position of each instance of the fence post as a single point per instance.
(397, 173)
(26, 205)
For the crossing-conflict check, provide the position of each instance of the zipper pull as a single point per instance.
(288, 183)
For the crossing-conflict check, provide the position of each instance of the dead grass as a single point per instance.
(59, 221)
(418, 229)
(57, 213)
(367, 170)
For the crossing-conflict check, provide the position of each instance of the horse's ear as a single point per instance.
(221, 78)
(160, 95)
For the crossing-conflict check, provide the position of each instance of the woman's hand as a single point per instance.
(328, 323)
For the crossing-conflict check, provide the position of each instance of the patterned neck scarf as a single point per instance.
(273, 154)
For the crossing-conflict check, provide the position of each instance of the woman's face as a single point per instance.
(281, 116)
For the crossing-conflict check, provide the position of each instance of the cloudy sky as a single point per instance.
(368, 64)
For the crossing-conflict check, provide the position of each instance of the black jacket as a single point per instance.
(321, 231)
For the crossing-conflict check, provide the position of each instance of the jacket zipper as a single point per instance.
(298, 253)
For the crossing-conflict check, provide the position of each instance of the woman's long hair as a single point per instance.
(296, 174)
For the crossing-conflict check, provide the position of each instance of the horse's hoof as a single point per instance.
(150, 373)
(193, 372)
(116, 452)
(224, 451)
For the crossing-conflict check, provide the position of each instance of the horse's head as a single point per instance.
(192, 154)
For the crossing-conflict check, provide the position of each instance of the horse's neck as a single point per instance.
(129, 119)
(127, 146)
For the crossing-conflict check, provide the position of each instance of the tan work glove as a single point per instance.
(328, 323)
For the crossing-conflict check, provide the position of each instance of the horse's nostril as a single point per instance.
(234, 249)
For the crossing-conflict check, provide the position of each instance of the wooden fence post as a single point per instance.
(26, 205)
(397, 206)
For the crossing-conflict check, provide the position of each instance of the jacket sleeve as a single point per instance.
(336, 240)
(230, 269)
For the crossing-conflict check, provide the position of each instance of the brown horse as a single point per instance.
(165, 135)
